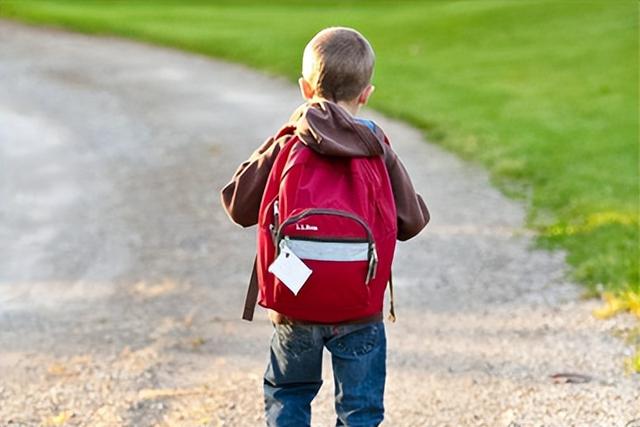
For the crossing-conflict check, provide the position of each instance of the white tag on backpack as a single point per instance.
(290, 269)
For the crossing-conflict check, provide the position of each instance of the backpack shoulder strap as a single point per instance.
(392, 308)
(251, 299)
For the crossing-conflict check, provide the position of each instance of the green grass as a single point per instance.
(544, 94)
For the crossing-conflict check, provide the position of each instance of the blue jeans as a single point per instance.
(294, 373)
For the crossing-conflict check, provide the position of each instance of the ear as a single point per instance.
(365, 94)
(305, 89)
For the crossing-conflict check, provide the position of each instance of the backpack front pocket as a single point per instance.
(342, 263)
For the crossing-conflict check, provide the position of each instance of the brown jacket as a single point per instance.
(330, 130)
(327, 129)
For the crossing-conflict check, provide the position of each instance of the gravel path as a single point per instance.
(122, 281)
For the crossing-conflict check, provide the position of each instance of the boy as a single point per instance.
(336, 73)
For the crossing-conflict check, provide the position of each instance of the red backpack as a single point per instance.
(337, 215)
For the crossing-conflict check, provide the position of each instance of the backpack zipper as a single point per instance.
(333, 212)
(372, 253)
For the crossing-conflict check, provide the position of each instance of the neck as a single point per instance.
(351, 107)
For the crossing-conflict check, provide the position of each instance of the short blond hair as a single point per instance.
(338, 63)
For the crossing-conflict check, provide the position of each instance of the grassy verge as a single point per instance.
(542, 93)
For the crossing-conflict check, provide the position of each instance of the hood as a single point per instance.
(330, 130)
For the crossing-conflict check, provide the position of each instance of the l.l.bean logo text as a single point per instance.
(306, 227)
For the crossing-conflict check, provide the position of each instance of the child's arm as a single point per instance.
(412, 212)
(242, 196)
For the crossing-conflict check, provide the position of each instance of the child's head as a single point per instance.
(337, 65)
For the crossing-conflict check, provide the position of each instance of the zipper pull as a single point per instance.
(276, 223)
(373, 263)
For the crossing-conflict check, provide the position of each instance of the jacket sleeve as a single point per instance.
(412, 212)
(242, 196)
